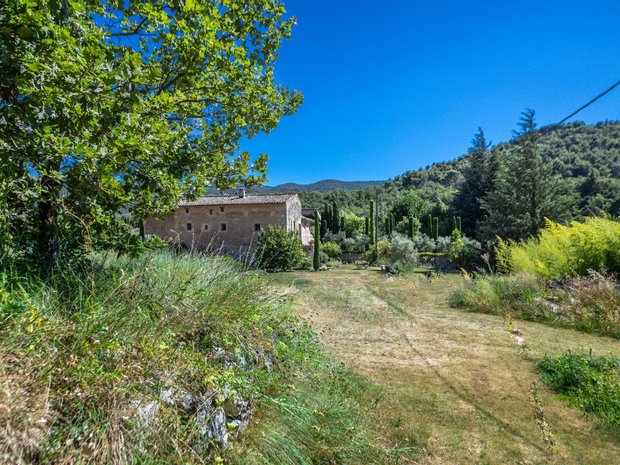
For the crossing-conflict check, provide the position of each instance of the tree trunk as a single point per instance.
(48, 242)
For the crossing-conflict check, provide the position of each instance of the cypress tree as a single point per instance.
(430, 225)
(366, 226)
(436, 227)
(323, 228)
(386, 225)
(342, 223)
(411, 232)
(336, 218)
(372, 229)
(330, 217)
(316, 258)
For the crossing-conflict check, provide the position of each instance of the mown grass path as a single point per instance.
(451, 385)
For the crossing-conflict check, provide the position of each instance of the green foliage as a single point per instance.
(278, 249)
(352, 223)
(316, 255)
(565, 251)
(380, 253)
(410, 205)
(462, 251)
(589, 383)
(83, 349)
(589, 304)
(110, 105)
(524, 191)
(332, 250)
(476, 184)
(372, 222)
(574, 157)
(402, 251)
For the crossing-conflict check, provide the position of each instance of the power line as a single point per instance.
(542, 132)
(590, 102)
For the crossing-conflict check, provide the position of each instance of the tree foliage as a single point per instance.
(524, 191)
(105, 105)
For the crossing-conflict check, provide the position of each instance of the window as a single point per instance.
(210, 212)
(223, 227)
(257, 227)
(222, 209)
(206, 227)
(187, 210)
(189, 226)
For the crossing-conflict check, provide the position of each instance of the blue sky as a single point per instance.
(395, 85)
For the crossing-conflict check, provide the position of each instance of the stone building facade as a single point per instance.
(230, 224)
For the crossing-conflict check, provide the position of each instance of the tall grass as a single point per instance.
(83, 349)
(565, 251)
(589, 303)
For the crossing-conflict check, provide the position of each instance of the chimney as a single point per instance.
(242, 193)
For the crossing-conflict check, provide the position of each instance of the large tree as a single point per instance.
(105, 105)
(524, 192)
(475, 185)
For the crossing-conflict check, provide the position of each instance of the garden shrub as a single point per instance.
(589, 383)
(565, 251)
(381, 254)
(463, 251)
(423, 243)
(332, 250)
(402, 250)
(278, 249)
(442, 243)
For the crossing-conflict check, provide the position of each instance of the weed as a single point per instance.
(589, 383)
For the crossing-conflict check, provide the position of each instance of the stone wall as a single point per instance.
(207, 232)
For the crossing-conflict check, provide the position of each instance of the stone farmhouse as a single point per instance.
(230, 224)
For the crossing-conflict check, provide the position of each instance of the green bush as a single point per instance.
(463, 251)
(381, 254)
(589, 383)
(590, 304)
(565, 251)
(402, 250)
(278, 250)
(332, 250)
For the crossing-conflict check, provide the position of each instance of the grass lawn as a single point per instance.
(451, 386)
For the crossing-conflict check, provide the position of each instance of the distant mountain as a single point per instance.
(325, 185)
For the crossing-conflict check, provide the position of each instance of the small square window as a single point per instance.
(221, 209)
(223, 227)
(206, 227)
(210, 212)
(187, 210)
(257, 227)
(189, 226)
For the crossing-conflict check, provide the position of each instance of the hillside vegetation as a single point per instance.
(586, 157)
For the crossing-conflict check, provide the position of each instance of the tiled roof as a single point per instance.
(236, 200)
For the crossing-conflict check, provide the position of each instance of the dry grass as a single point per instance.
(454, 387)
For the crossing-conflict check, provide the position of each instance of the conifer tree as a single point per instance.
(316, 258)
(475, 185)
(524, 193)
(372, 229)
(335, 218)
